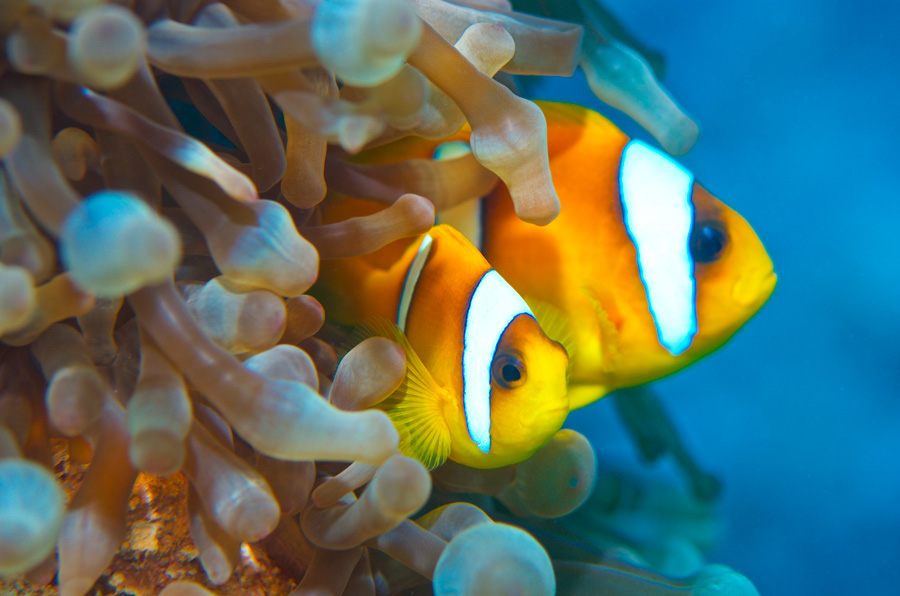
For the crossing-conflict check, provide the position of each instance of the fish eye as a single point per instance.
(507, 371)
(708, 242)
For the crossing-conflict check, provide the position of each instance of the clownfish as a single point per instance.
(643, 271)
(485, 386)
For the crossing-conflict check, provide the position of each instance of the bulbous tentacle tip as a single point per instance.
(238, 318)
(409, 215)
(285, 362)
(539, 212)
(292, 421)
(270, 254)
(367, 374)
(107, 46)
(74, 399)
(257, 519)
(31, 513)
(680, 135)
(154, 452)
(620, 77)
(557, 479)
(75, 151)
(18, 300)
(365, 42)
(113, 243)
(514, 146)
(719, 580)
(495, 559)
(403, 485)
(384, 440)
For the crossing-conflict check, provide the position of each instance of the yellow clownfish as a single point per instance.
(485, 386)
(642, 272)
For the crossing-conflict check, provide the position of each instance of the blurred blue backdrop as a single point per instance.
(799, 414)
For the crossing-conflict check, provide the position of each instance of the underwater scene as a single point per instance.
(450, 297)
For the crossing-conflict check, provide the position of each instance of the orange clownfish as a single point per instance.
(642, 272)
(646, 269)
(485, 386)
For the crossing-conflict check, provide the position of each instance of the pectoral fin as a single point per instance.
(609, 334)
(415, 406)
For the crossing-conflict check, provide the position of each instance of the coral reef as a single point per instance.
(173, 416)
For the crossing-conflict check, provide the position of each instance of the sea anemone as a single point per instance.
(171, 407)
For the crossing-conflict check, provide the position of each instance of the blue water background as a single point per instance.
(800, 414)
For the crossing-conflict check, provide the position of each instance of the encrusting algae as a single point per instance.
(175, 418)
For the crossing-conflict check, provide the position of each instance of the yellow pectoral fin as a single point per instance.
(415, 406)
(609, 334)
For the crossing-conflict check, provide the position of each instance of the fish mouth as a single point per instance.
(554, 413)
(752, 290)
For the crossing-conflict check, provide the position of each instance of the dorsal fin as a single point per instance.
(415, 406)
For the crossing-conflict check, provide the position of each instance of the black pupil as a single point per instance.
(510, 373)
(707, 243)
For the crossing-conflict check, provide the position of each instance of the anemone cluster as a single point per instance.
(154, 319)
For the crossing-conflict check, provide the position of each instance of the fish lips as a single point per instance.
(754, 288)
